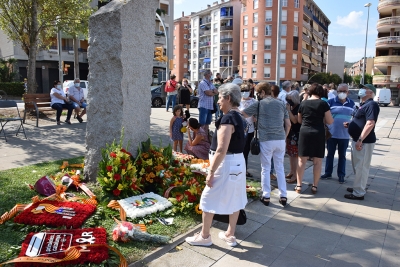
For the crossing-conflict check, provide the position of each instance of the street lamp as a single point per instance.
(365, 49)
(232, 67)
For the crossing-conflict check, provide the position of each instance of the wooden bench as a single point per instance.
(36, 102)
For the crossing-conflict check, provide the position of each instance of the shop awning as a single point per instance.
(305, 31)
(304, 44)
(306, 59)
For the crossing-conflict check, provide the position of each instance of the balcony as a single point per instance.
(306, 25)
(226, 28)
(204, 55)
(385, 24)
(305, 65)
(307, 12)
(304, 77)
(315, 68)
(318, 34)
(226, 40)
(225, 64)
(324, 50)
(204, 21)
(226, 16)
(314, 44)
(387, 61)
(204, 33)
(204, 44)
(387, 42)
(306, 38)
(225, 52)
(385, 79)
(385, 7)
(324, 60)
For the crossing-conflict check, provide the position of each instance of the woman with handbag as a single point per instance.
(313, 112)
(225, 191)
(292, 106)
(273, 126)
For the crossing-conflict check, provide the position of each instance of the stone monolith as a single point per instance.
(120, 55)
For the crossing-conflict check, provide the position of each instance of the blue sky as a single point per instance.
(348, 23)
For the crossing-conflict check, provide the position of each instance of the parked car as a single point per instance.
(157, 100)
(383, 96)
(69, 83)
(353, 95)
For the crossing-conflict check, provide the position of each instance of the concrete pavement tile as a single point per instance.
(382, 212)
(368, 223)
(292, 257)
(299, 211)
(330, 222)
(184, 257)
(359, 241)
(317, 245)
(339, 208)
(266, 236)
(256, 211)
(287, 223)
(343, 258)
(391, 252)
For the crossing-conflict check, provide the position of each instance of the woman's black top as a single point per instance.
(237, 142)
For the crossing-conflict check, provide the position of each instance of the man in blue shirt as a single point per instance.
(342, 109)
(206, 92)
(362, 131)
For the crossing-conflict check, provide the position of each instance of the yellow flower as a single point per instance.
(123, 172)
(142, 171)
(197, 209)
(193, 190)
(105, 180)
(109, 174)
(149, 162)
(120, 187)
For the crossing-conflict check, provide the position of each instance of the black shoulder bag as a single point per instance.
(255, 143)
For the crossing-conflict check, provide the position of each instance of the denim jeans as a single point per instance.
(205, 116)
(59, 107)
(341, 145)
(218, 113)
(171, 98)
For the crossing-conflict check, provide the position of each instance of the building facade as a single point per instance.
(214, 39)
(47, 67)
(357, 67)
(387, 59)
(303, 43)
(335, 60)
(181, 48)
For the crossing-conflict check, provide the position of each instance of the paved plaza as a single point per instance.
(313, 230)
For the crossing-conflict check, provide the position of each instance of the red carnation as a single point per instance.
(109, 168)
(191, 198)
(113, 155)
(117, 177)
(123, 167)
(116, 192)
(134, 187)
(123, 150)
(139, 162)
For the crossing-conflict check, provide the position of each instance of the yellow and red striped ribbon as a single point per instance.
(115, 205)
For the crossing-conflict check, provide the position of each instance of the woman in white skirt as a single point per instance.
(225, 191)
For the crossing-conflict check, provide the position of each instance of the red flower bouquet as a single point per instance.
(126, 231)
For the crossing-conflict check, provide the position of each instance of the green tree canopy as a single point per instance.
(347, 78)
(326, 78)
(368, 79)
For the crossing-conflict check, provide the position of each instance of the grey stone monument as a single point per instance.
(120, 55)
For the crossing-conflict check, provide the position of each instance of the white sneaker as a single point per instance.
(198, 240)
(231, 241)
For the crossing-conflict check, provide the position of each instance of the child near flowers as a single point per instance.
(175, 128)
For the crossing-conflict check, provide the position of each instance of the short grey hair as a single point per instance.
(343, 85)
(294, 96)
(77, 79)
(286, 84)
(233, 91)
(206, 72)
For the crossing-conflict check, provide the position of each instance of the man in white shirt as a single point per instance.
(286, 85)
(75, 94)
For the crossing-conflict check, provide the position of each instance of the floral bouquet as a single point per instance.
(117, 173)
(125, 231)
(251, 191)
(184, 158)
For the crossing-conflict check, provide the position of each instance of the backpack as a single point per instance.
(169, 87)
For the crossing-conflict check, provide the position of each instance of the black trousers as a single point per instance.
(247, 146)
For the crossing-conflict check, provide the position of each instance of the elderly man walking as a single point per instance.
(286, 87)
(362, 130)
(342, 109)
(206, 100)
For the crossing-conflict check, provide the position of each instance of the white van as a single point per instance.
(383, 96)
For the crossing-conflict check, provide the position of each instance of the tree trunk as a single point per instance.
(32, 86)
(76, 57)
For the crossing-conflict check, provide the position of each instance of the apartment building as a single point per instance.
(303, 44)
(214, 39)
(47, 69)
(387, 59)
(335, 61)
(357, 67)
(181, 47)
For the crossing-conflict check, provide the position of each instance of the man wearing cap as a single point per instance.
(362, 131)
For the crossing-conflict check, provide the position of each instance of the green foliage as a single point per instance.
(368, 79)
(7, 71)
(13, 89)
(347, 78)
(326, 78)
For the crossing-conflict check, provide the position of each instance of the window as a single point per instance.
(215, 51)
(244, 60)
(215, 38)
(185, 65)
(255, 4)
(174, 37)
(268, 3)
(244, 46)
(245, 33)
(296, 16)
(184, 55)
(267, 44)
(255, 43)
(283, 29)
(284, 3)
(268, 30)
(282, 72)
(194, 33)
(284, 15)
(215, 27)
(254, 72)
(253, 59)
(268, 15)
(174, 66)
(174, 47)
(174, 28)
(174, 56)
(282, 58)
(245, 20)
(185, 46)
(244, 73)
(216, 15)
(267, 58)
(185, 26)
(215, 62)
(255, 31)
(294, 73)
(255, 17)
(267, 72)
(185, 36)
(295, 31)
(294, 59)
(283, 44)
(296, 3)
